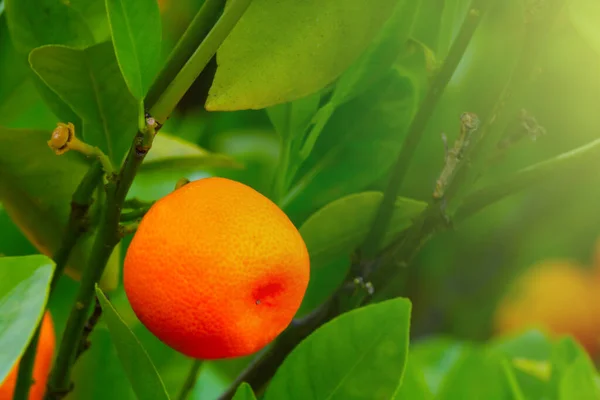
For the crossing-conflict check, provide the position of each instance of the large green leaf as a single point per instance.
(413, 385)
(357, 146)
(580, 381)
(244, 392)
(136, 32)
(138, 367)
(34, 23)
(16, 91)
(584, 15)
(36, 187)
(358, 355)
(453, 16)
(315, 39)
(339, 227)
(90, 82)
(24, 283)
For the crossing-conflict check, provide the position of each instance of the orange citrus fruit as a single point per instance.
(41, 366)
(557, 296)
(216, 270)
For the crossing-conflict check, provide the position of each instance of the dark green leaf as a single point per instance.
(136, 32)
(291, 119)
(339, 227)
(35, 23)
(138, 367)
(90, 82)
(357, 146)
(316, 40)
(358, 355)
(244, 392)
(580, 381)
(24, 283)
(36, 187)
(16, 91)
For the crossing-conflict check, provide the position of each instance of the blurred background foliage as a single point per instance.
(458, 278)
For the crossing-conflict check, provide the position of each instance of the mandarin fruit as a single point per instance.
(216, 270)
(557, 296)
(41, 366)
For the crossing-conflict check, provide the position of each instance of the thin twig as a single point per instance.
(76, 226)
(415, 131)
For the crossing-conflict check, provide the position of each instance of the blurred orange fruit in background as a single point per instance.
(557, 296)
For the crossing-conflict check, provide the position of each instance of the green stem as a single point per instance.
(190, 380)
(185, 47)
(76, 226)
(106, 239)
(195, 65)
(578, 158)
(419, 123)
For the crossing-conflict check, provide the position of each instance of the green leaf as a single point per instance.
(580, 381)
(90, 82)
(339, 227)
(357, 355)
(584, 15)
(36, 187)
(436, 357)
(372, 66)
(138, 367)
(316, 40)
(16, 91)
(24, 283)
(172, 154)
(376, 62)
(34, 23)
(357, 146)
(244, 392)
(453, 16)
(136, 32)
(291, 119)
(413, 385)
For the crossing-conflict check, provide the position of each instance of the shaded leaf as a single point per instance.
(36, 188)
(244, 392)
(90, 82)
(413, 385)
(34, 23)
(292, 118)
(24, 285)
(339, 227)
(453, 16)
(358, 355)
(357, 146)
(136, 32)
(138, 367)
(316, 40)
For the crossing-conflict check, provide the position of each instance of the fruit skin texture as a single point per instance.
(216, 270)
(556, 295)
(41, 367)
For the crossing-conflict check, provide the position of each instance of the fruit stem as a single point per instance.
(77, 225)
(419, 122)
(107, 238)
(190, 380)
(173, 93)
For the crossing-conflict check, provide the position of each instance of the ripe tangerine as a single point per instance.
(41, 366)
(216, 270)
